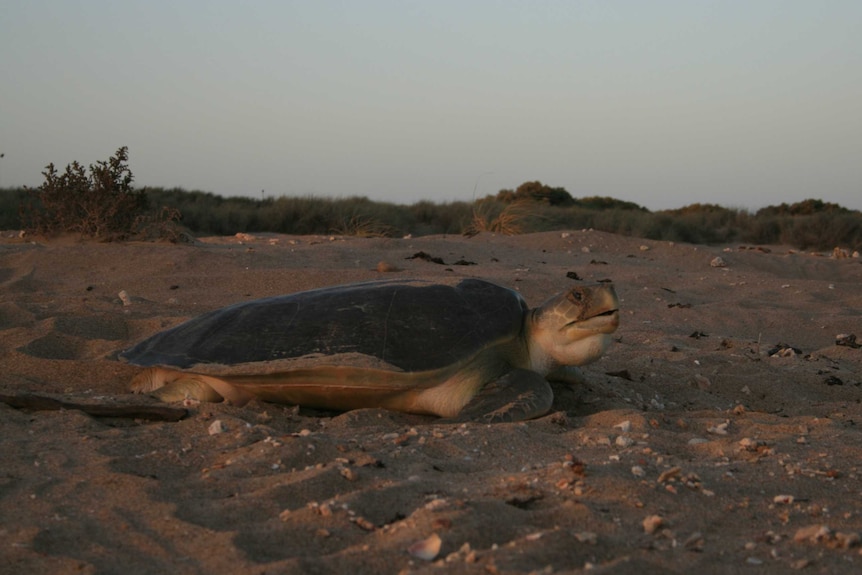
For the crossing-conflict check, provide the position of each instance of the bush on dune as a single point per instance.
(101, 203)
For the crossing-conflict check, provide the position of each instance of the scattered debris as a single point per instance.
(823, 535)
(587, 537)
(720, 429)
(217, 427)
(669, 474)
(848, 340)
(652, 523)
(624, 426)
(700, 382)
(124, 297)
(386, 267)
(363, 523)
(426, 257)
(783, 350)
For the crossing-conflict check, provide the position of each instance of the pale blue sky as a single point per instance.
(666, 103)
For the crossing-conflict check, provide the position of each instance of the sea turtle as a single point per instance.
(463, 350)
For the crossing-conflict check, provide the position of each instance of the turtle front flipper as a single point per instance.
(519, 395)
(171, 386)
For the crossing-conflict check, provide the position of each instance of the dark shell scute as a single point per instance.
(411, 325)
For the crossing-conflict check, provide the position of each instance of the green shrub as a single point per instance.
(11, 200)
(100, 204)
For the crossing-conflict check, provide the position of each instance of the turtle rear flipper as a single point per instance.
(519, 395)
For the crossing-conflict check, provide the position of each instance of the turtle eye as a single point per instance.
(575, 296)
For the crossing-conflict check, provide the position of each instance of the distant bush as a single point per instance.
(803, 208)
(11, 202)
(811, 224)
(605, 203)
(100, 204)
(537, 192)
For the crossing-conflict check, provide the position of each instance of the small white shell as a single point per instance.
(427, 549)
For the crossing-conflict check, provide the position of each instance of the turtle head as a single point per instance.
(573, 328)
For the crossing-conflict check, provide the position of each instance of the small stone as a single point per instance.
(748, 444)
(811, 533)
(694, 542)
(217, 427)
(652, 523)
(363, 523)
(669, 474)
(348, 474)
(783, 499)
(124, 297)
(701, 382)
(624, 426)
(386, 267)
(624, 441)
(846, 540)
(718, 262)
(720, 429)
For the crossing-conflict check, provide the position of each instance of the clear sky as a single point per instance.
(663, 103)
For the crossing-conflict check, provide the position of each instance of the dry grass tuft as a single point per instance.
(509, 221)
(363, 227)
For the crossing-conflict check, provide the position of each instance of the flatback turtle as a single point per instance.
(466, 350)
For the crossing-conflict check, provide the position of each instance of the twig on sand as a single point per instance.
(43, 403)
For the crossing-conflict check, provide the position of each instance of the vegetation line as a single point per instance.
(102, 204)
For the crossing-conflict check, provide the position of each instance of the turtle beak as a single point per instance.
(597, 308)
(604, 322)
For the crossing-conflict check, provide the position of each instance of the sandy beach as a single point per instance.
(720, 433)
